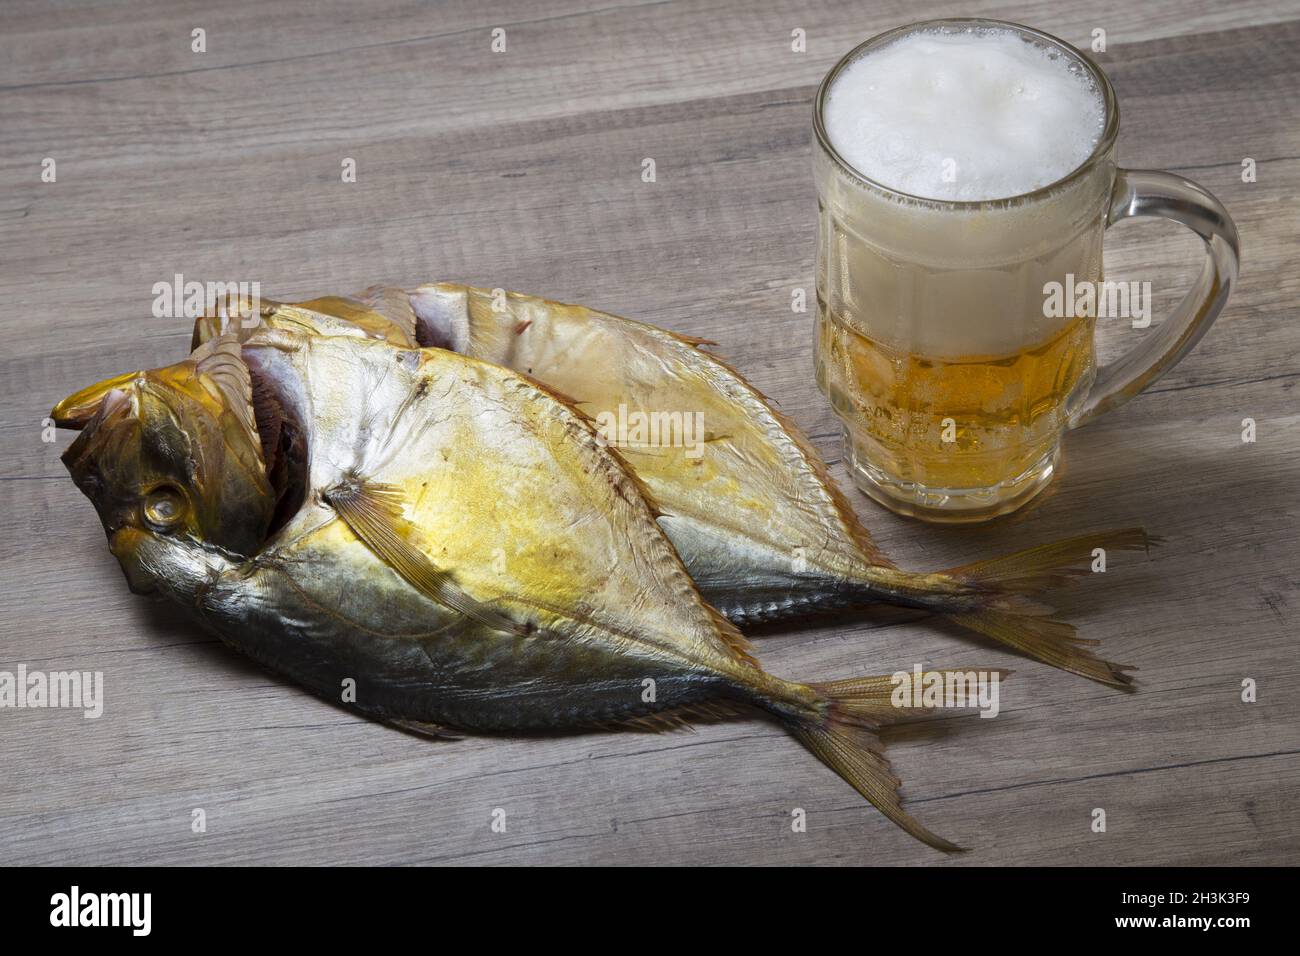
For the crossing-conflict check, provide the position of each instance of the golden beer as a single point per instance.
(957, 424)
(964, 167)
(934, 348)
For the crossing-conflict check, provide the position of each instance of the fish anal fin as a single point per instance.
(730, 635)
(373, 512)
(682, 718)
(423, 728)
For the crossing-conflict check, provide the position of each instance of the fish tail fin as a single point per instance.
(1051, 565)
(997, 605)
(841, 732)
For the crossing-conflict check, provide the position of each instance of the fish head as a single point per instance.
(171, 457)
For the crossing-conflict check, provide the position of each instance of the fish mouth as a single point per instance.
(124, 545)
(98, 415)
(80, 408)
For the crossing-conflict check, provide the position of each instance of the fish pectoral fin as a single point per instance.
(373, 512)
(423, 728)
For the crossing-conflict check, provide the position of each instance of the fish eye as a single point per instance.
(164, 507)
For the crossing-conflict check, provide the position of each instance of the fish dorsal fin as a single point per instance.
(237, 320)
(692, 340)
(220, 367)
(392, 304)
(376, 313)
(304, 320)
(807, 454)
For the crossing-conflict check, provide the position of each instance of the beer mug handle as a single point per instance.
(1147, 192)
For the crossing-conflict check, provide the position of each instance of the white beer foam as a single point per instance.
(976, 115)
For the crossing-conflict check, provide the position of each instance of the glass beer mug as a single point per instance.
(952, 379)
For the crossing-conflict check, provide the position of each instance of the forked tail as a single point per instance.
(841, 732)
(996, 601)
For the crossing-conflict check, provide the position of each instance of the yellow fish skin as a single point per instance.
(751, 509)
(464, 550)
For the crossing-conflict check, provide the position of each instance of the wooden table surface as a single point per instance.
(522, 169)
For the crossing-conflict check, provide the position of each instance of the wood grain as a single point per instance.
(522, 170)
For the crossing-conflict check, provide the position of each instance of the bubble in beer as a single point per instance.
(1013, 115)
